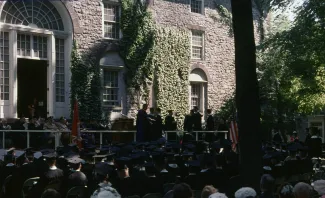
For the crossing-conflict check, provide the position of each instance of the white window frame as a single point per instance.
(203, 47)
(202, 7)
(202, 96)
(119, 86)
(103, 19)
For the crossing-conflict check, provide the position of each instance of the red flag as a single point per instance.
(233, 134)
(75, 133)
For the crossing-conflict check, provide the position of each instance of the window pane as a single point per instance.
(4, 66)
(195, 95)
(111, 21)
(110, 88)
(197, 45)
(59, 71)
(196, 6)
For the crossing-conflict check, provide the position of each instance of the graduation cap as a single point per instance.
(38, 155)
(76, 160)
(47, 151)
(122, 163)
(50, 156)
(90, 147)
(193, 163)
(102, 168)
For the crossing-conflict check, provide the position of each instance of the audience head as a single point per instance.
(245, 192)
(319, 187)
(101, 172)
(302, 190)
(182, 190)
(51, 193)
(209, 111)
(207, 191)
(267, 183)
(218, 195)
(285, 191)
(192, 112)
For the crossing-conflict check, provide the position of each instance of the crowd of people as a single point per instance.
(167, 169)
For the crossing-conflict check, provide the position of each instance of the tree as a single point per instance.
(301, 54)
(247, 99)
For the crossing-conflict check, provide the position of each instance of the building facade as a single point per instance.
(36, 39)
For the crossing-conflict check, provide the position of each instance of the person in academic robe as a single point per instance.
(314, 144)
(76, 177)
(197, 120)
(142, 124)
(277, 137)
(158, 125)
(188, 122)
(9, 168)
(170, 123)
(210, 137)
(51, 178)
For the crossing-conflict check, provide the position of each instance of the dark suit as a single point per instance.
(315, 146)
(188, 123)
(197, 123)
(210, 123)
(170, 124)
(157, 128)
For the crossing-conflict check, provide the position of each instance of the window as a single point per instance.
(110, 88)
(40, 46)
(197, 45)
(23, 45)
(59, 71)
(4, 65)
(111, 21)
(195, 95)
(197, 6)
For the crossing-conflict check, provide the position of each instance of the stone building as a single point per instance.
(36, 39)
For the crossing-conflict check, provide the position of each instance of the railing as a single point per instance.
(57, 134)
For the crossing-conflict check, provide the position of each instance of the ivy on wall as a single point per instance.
(171, 58)
(136, 47)
(225, 17)
(85, 87)
(155, 55)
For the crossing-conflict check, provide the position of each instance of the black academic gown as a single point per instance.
(197, 123)
(188, 123)
(170, 124)
(315, 146)
(158, 127)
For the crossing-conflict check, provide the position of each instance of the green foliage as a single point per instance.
(138, 31)
(227, 110)
(224, 17)
(85, 87)
(155, 55)
(171, 60)
(296, 56)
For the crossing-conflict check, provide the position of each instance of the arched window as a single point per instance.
(198, 90)
(32, 13)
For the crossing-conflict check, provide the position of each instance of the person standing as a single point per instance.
(170, 123)
(188, 122)
(158, 125)
(210, 121)
(142, 124)
(197, 120)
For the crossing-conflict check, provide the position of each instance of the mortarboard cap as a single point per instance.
(38, 155)
(76, 160)
(102, 168)
(122, 163)
(193, 163)
(19, 153)
(50, 156)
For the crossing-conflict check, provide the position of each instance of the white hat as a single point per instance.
(245, 192)
(319, 187)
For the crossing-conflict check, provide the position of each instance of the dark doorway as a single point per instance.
(32, 84)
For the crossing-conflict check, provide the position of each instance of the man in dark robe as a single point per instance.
(158, 125)
(210, 126)
(197, 120)
(142, 124)
(188, 122)
(170, 123)
(151, 127)
(314, 144)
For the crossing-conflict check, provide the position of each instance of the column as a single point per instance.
(51, 75)
(13, 92)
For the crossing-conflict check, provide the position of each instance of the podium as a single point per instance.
(123, 124)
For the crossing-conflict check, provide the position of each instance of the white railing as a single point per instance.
(57, 134)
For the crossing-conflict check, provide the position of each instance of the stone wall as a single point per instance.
(218, 61)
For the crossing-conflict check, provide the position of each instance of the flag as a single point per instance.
(75, 133)
(233, 134)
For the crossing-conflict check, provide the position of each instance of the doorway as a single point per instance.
(32, 84)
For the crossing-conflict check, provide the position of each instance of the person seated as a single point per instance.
(4, 125)
(76, 178)
(285, 191)
(302, 190)
(153, 184)
(182, 190)
(245, 192)
(102, 172)
(51, 193)
(207, 191)
(267, 186)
